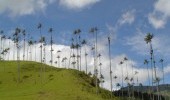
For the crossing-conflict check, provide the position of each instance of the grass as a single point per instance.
(55, 83)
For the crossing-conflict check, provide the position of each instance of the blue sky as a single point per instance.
(127, 21)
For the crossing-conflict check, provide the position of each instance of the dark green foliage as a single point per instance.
(25, 77)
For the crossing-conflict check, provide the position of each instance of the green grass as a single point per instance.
(55, 83)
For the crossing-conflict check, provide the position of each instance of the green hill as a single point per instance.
(53, 84)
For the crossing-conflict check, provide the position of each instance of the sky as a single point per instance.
(126, 21)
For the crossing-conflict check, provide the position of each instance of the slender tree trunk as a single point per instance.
(24, 50)
(9, 50)
(35, 57)
(70, 58)
(85, 58)
(110, 68)
(18, 61)
(96, 62)
(122, 79)
(51, 50)
(149, 82)
(152, 54)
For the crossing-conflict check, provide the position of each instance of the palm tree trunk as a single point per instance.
(35, 57)
(85, 58)
(110, 67)
(149, 82)
(24, 49)
(70, 58)
(18, 61)
(122, 79)
(9, 50)
(152, 54)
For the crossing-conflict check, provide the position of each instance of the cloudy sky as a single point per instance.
(127, 22)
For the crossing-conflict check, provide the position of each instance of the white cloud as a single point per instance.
(77, 4)
(127, 18)
(137, 43)
(159, 17)
(159, 42)
(156, 22)
(22, 7)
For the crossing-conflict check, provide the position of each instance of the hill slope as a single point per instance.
(53, 84)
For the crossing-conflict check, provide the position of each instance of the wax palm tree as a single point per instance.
(157, 80)
(72, 47)
(30, 43)
(148, 39)
(76, 33)
(64, 61)
(118, 86)
(101, 79)
(141, 89)
(163, 75)
(16, 35)
(110, 67)
(41, 47)
(84, 42)
(122, 75)
(146, 63)
(51, 42)
(35, 48)
(1, 33)
(161, 61)
(127, 77)
(9, 45)
(3, 44)
(24, 33)
(100, 64)
(80, 49)
(137, 81)
(14, 46)
(58, 57)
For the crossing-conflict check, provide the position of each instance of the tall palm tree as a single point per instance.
(35, 48)
(127, 77)
(161, 61)
(72, 47)
(51, 42)
(76, 33)
(16, 35)
(1, 33)
(148, 39)
(137, 81)
(3, 44)
(118, 86)
(163, 82)
(110, 67)
(41, 46)
(80, 50)
(102, 80)
(58, 57)
(9, 45)
(141, 88)
(24, 33)
(85, 52)
(100, 64)
(30, 43)
(146, 63)
(14, 46)
(122, 76)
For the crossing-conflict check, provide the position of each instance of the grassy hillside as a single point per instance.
(55, 83)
